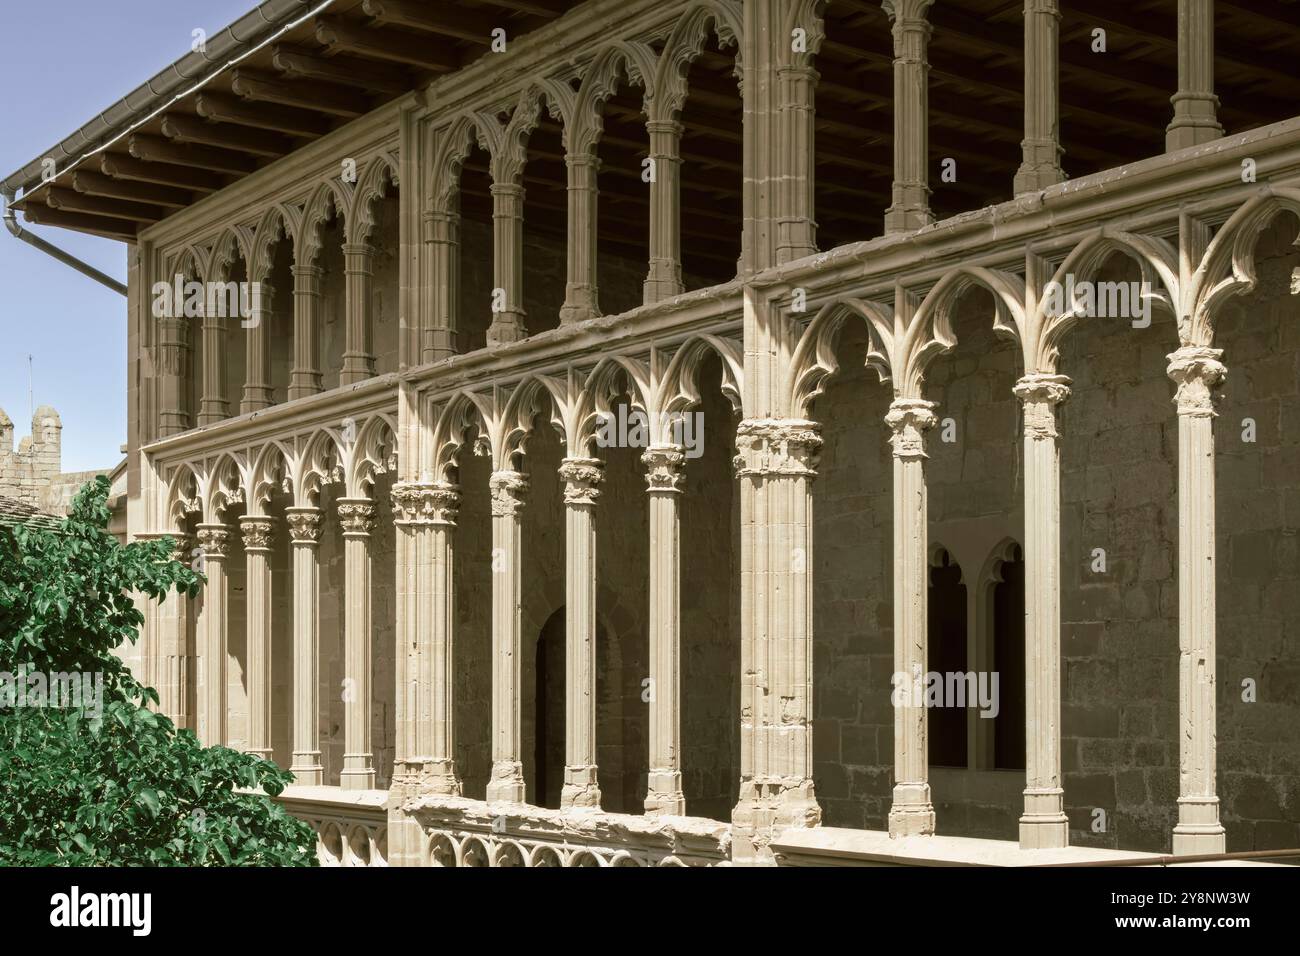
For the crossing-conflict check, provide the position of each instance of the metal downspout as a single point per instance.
(67, 258)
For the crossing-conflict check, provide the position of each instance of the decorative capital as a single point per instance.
(907, 12)
(509, 491)
(214, 539)
(665, 468)
(357, 515)
(1197, 372)
(304, 525)
(1041, 393)
(582, 478)
(910, 419)
(425, 503)
(777, 446)
(257, 532)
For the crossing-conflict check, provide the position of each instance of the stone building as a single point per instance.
(33, 473)
(982, 312)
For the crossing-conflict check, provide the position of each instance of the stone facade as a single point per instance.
(34, 472)
(481, 634)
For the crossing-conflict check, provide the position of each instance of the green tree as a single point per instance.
(115, 783)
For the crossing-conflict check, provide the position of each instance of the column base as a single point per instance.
(1035, 177)
(1044, 832)
(506, 328)
(906, 219)
(912, 813)
(262, 753)
(255, 397)
(579, 305)
(507, 783)
(302, 384)
(358, 772)
(307, 770)
(765, 808)
(664, 795)
(434, 778)
(1198, 829)
(580, 789)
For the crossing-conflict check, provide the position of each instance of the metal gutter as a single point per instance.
(67, 258)
(185, 75)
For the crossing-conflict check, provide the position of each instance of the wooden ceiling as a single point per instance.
(1114, 110)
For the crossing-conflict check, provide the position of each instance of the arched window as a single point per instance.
(946, 635)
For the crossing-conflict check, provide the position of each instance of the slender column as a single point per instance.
(439, 338)
(170, 369)
(665, 466)
(213, 406)
(508, 323)
(912, 812)
(1198, 372)
(214, 539)
(1041, 148)
(304, 532)
(175, 651)
(911, 205)
(581, 300)
(509, 489)
(582, 478)
(357, 515)
(257, 531)
(257, 354)
(305, 378)
(797, 228)
(358, 347)
(1195, 105)
(1044, 824)
(665, 278)
(776, 461)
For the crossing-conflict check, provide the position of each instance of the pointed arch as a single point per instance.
(271, 229)
(636, 62)
(806, 15)
(373, 453)
(183, 496)
(454, 145)
(680, 390)
(330, 198)
(814, 360)
(685, 44)
(378, 180)
(459, 414)
(267, 472)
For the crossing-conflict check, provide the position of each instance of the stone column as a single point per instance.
(257, 531)
(439, 337)
(305, 378)
(665, 466)
(214, 539)
(912, 812)
(911, 206)
(776, 461)
(304, 532)
(170, 369)
(1041, 148)
(1044, 824)
(1197, 372)
(508, 323)
(509, 489)
(797, 228)
(582, 478)
(257, 361)
(1195, 105)
(581, 300)
(665, 278)
(357, 515)
(358, 347)
(213, 406)
(175, 650)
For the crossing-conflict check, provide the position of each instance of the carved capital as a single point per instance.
(304, 525)
(910, 419)
(1198, 372)
(257, 531)
(582, 478)
(1041, 393)
(665, 468)
(509, 493)
(357, 515)
(777, 446)
(214, 539)
(425, 503)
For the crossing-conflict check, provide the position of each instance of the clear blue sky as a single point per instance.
(61, 64)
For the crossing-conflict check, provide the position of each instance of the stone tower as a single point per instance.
(27, 472)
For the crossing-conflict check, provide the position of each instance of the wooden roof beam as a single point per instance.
(97, 184)
(387, 45)
(472, 25)
(221, 108)
(80, 222)
(260, 88)
(188, 129)
(164, 174)
(152, 149)
(69, 200)
(348, 71)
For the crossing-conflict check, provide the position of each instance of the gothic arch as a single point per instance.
(814, 360)
(685, 44)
